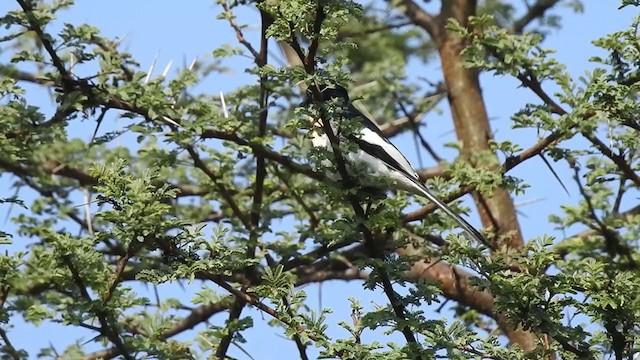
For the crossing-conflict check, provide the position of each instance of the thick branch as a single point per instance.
(455, 285)
(234, 314)
(421, 18)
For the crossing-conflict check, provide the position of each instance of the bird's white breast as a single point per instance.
(378, 170)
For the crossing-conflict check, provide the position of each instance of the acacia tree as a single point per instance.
(201, 198)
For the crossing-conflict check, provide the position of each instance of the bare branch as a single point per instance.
(8, 348)
(421, 18)
(107, 329)
(14, 73)
(619, 160)
(45, 39)
(234, 314)
(234, 25)
(536, 11)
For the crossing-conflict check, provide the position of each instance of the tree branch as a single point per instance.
(234, 314)
(421, 18)
(14, 73)
(340, 163)
(455, 285)
(433, 172)
(106, 328)
(534, 12)
(45, 39)
(226, 195)
(198, 315)
(239, 35)
(8, 348)
(509, 164)
(622, 164)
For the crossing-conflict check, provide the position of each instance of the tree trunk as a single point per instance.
(473, 130)
(472, 127)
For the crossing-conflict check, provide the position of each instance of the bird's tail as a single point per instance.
(444, 207)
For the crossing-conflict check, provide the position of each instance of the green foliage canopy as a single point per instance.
(201, 197)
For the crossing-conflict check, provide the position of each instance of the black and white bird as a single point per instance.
(385, 163)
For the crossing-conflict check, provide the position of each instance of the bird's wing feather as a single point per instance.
(462, 222)
(372, 141)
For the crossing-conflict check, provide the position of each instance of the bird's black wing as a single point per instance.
(372, 141)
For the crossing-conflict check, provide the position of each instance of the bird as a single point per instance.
(385, 164)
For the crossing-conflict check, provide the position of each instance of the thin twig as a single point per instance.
(313, 218)
(8, 348)
(416, 131)
(536, 11)
(234, 25)
(234, 314)
(622, 164)
(45, 40)
(106, 329)
(613, 243)
(509, 164)
(221, 188)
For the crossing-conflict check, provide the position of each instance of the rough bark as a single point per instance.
(471, 122)
(454, 283)
(472, 128)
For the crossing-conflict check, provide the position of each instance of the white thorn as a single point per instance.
(87, 211)
(193, 63)
(168, 119)
(224, 106)
(166, 69)
(72, 62)
(151, 68)
(119, 42)
(529, 202)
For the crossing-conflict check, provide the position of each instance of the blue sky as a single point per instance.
(174, 31)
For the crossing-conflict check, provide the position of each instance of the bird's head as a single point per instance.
(334, 92)
(328, 92)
